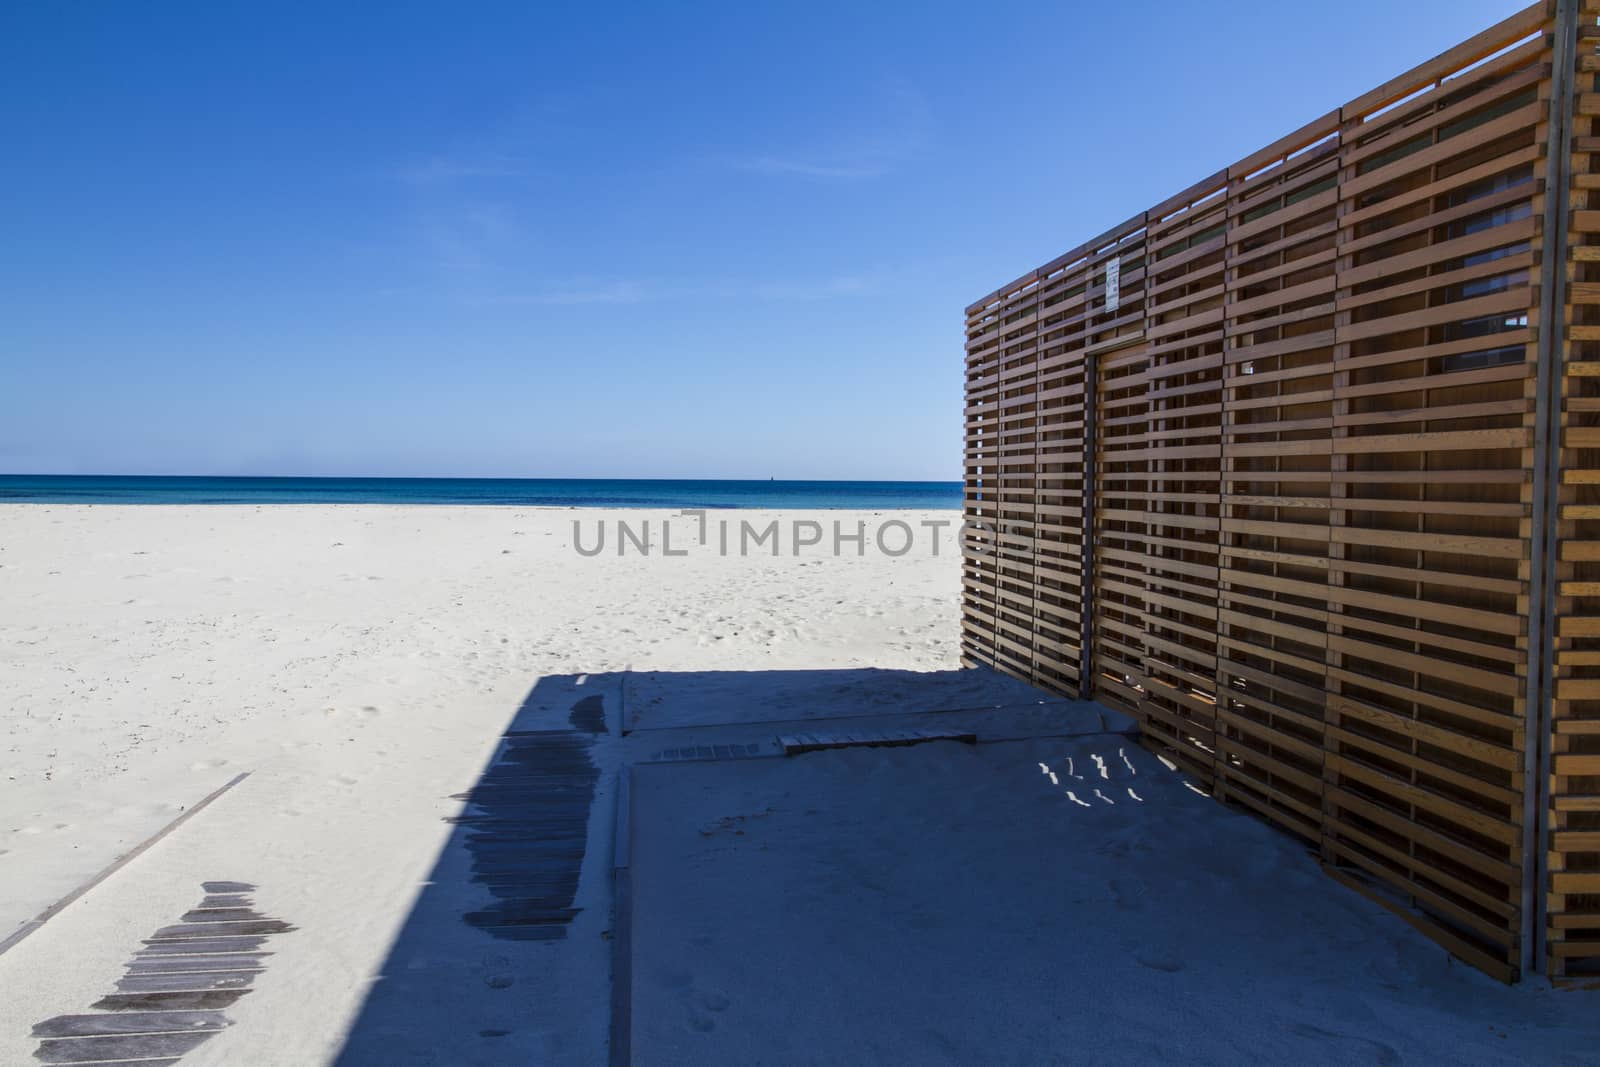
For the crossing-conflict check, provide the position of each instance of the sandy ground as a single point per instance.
(1048, 895)
(1044, 901)
(361, 663)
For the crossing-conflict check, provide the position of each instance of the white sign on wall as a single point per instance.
(1113, 283)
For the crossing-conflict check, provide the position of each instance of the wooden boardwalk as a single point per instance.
(171, 1000)
(794, 744)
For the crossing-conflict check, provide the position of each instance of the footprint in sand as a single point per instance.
(714, 1000)
(1386, 1054)
(677, 979)
(1115, 848)
(1157, 960)
(1127, 893)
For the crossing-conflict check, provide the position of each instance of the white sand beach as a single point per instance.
(1050, 893)
(154, 652)
(360, 663)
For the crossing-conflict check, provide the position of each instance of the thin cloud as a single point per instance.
(806, 169)
(471, 238)
(843, 285)
(581, 292)
(620, 292)
(441, 170)
(895, 127)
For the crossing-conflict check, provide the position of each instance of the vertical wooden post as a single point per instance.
(1544, 547)
(1091, 434)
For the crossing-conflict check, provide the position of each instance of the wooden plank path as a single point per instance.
(793, 744)
(170, 1000)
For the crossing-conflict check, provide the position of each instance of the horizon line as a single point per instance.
(488, 478)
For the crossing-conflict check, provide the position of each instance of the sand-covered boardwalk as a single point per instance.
(1050, 899)
(436, 708)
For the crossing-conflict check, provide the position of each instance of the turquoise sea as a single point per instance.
(546, 492)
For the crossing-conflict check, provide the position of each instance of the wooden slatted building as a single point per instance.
(1301, 468)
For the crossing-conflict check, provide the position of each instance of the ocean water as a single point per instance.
(547, 492)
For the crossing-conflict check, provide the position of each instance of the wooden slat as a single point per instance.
(1572, 927)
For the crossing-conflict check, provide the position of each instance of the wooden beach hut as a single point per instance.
(1300, 467)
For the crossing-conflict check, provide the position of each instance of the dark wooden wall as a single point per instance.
(1280, 499)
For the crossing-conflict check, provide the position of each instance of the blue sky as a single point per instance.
(674, 240)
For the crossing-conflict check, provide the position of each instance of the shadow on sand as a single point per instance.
(505, 956)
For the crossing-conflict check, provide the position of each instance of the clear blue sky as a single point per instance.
(522, 239)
